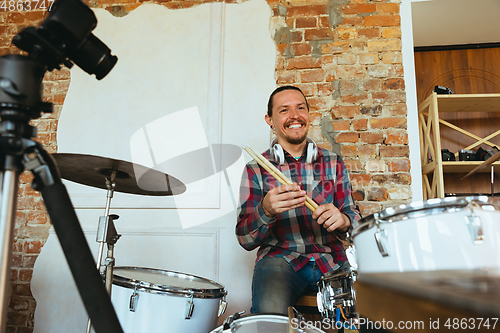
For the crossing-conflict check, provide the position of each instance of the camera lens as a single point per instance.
(94, 57)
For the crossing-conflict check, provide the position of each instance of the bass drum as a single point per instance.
(150, 300)
(265, 323)
(439, 234)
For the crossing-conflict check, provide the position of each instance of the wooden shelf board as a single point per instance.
(461, 166)
(469, 103)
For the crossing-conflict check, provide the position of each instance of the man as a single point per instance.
(296, 245)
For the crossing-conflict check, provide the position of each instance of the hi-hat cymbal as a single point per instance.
(92, 171)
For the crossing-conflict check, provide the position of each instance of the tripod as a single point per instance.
(17, 153)
(63, 37)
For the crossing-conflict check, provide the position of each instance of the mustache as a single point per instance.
(300, 121)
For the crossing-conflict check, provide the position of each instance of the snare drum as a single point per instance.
(262, 323)
(157, 301)
(437, 234)
(336, 295)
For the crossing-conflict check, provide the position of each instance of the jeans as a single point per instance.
(276, 285)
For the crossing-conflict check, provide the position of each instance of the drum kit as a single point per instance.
(437, 234)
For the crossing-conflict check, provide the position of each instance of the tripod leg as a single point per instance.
(80, 260)
(8, 203)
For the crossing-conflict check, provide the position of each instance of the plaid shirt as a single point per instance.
(294, 234)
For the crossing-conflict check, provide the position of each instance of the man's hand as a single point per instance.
(283, 198)
(331, 218)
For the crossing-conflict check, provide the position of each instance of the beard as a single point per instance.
(296, 140)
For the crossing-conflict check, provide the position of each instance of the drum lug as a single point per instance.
(475, 228)
(229, 321)
(381, 239)
(319, 302)
(189, 308)
(134, 298)
(222, 306)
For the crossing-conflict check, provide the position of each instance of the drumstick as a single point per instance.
(282, 176)
(269, 167)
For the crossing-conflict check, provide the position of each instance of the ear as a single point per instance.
(269, 120)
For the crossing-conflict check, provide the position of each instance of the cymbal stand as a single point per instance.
(106, 233)
(492, 181)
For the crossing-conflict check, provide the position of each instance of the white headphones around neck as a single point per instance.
(277, 154)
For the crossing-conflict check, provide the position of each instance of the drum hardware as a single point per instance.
(229, 324)
(222, 306)
(336, 296)
(381, 238)
(193, 304)
(134, 298)
(189, 307)
(113, 175)
(437, 234)
(475, 225)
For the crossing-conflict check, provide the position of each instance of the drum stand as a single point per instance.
(106, 233)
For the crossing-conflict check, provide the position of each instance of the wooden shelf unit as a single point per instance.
(430, 139)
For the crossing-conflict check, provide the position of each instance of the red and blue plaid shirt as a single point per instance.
(294, 234)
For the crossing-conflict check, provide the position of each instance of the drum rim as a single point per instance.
(333, 274)
(421, 208)
(155, 288)
(247, 317)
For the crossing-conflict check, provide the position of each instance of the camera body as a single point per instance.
(466, 155)
(447, 155)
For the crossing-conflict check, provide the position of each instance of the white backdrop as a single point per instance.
(185, 80)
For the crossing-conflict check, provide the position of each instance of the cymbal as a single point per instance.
(92, 171)
(486, 163)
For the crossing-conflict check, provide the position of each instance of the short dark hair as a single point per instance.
(280, 89)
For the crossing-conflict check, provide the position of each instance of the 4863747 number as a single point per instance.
(25, 5)
(471, 323)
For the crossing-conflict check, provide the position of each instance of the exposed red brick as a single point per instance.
(358, 195)
(345, 111)
(361, 179)
(355, 98)
(353, 165)
(371, 138)
(377, 194)
(391, 33)
(315, 75)
(369, 32)
(360, 124)
(325, 89)
(394, 151)
(396, 138)
(388, 123)
(358, 8)
(368, 209)
(388, 8)
(347, 137)
(352, 21)
(318, 34)
(286, 77)
(341, 125)
(394, 84)
(399, 165)
(367, 151)
(303, 63)
(314, 10)
(382, 20)
(349, 151)
(300, 49)
(306, 22)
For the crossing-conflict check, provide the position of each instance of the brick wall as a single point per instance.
(345, 56)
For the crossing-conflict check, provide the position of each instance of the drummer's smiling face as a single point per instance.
(289, 118)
